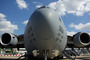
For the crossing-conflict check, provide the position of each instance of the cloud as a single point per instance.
(2, 16)
(22, 4)
(76, 7)
(71, 33)
(88, 13)
(81, 26)
(71, 25)
(71, 12)
(38, 6)
(34, 2)
(25, 22)
(6, 26)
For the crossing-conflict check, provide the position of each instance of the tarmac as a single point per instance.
(84, 57)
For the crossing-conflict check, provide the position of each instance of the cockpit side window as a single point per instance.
(60, 19)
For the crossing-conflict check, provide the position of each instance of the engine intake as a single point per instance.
(6, 38)
(84, 38)
(81, 39)
(9, 39)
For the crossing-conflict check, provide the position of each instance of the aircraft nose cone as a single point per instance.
(41, 26)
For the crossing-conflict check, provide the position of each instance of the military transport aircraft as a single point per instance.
(45, 36)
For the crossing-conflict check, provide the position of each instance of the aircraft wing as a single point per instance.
(80, 39)
(10, 40)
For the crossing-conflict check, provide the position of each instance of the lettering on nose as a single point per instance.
(61, 29)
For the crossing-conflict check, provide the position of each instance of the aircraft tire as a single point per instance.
(30, 57)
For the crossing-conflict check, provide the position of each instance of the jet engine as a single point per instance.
(81, 39)
(9, 39)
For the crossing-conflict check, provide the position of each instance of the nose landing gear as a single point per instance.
(45, 53)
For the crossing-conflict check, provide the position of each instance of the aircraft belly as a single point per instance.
(50, 45)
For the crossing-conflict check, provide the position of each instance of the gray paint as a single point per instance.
(46, 24)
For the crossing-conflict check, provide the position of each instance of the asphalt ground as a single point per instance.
(85, 57)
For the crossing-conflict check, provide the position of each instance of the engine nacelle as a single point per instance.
(9, 39)
(81, 39)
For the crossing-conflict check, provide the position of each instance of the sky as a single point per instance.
(14, 14)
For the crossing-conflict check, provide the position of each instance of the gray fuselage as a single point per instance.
(45, 31)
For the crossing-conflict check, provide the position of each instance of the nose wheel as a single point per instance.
(45, 57)
(45, 53)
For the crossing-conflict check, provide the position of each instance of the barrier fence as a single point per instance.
(11, 55)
